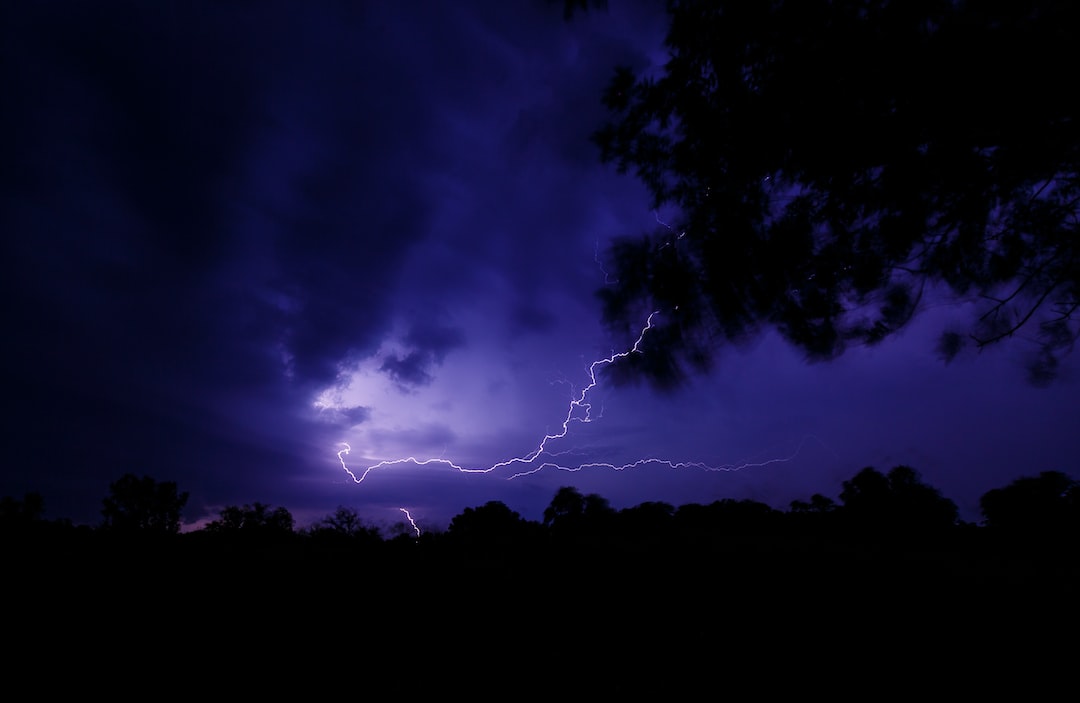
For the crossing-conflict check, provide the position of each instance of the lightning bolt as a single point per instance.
(608, 280)
(411, 521)
(671, 229)
(668, 463)
(578, 410)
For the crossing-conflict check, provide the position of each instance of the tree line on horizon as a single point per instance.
(872, 504)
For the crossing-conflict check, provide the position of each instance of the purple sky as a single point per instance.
(236, 235)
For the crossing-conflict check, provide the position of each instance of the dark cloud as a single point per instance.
(347, 416)
(205, 210)
(410, 369)
(426, 347)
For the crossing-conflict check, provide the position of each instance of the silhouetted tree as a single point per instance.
(254, 519)
(693, 518)
(743, 517)
(1047, 503)
(566, 505)
(818, 516)
(143, 505)
(492, 525)
(344, 525)
(597, 508)
(15, 513)
(818, 504)
(866, 491)
(651, 521)
(575, 516)
(829, 163)
(726, 518)
(896, 502)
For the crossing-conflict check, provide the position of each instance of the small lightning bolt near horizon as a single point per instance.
(412, 522)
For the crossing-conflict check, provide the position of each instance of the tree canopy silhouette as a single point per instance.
(573, 515)
(1047, 503)
(20, 513)
(491, 525)
(254, 519)
(833, 165)
(143, 505)
(898, 501)
(342, 526)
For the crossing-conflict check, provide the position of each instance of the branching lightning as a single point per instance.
(578, 410)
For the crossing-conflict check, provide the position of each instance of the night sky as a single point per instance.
(237, 235)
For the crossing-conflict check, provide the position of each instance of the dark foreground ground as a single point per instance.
(610, 619)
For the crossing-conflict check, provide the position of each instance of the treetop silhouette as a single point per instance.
(143, 505)
(834, 165)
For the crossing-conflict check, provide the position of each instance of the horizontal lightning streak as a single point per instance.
(665, 462)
